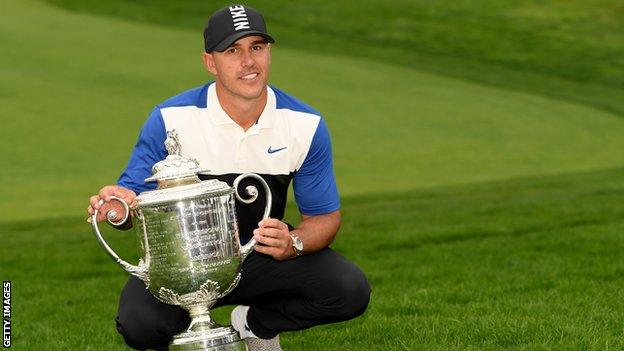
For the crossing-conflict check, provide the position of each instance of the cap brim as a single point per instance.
(227, 42)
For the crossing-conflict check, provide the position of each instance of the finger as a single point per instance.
(268, 241)
(117, 204)
(98, 204)
(131, 200)
(276, 253)
(122, 194)
(95, 201)
(102, 211)
(267, 250)
(126, 195)
(106, 192)
(270, 232)
(272, 222)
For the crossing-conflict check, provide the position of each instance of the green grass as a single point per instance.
(545, 47)
(79, 94)
(527, 264)
(580, 40)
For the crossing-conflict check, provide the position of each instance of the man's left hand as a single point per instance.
(273, 237)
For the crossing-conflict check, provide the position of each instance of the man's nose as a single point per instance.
(247, 59)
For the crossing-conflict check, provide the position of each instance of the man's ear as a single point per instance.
(209, 63)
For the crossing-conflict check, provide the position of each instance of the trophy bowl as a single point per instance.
(189, 244)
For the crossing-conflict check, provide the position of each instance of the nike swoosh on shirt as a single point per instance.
(272, 151)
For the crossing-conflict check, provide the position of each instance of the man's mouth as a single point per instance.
(249, 76)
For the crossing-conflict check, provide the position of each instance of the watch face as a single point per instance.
(298, 244)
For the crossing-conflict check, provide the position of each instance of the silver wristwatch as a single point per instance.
(297, 245)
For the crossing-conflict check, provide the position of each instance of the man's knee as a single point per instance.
(357, 291)
(144, 331)
(352, 292)
(144, 322)
(138, 334)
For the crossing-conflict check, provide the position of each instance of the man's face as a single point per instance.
(242, 70)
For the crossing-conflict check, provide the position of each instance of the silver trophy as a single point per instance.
(188, 234)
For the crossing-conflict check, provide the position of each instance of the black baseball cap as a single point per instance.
(231, 23)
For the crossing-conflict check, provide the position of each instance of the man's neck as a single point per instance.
(245, 112)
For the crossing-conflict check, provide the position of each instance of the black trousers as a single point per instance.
(294, 294)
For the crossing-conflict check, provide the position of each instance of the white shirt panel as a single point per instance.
(221, 146)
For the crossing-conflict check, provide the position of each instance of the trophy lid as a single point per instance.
(177, 178)
(175, 168)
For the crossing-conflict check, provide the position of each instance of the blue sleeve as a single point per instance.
(149, 149)
(314, 183)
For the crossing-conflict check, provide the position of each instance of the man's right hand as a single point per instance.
(105, 193)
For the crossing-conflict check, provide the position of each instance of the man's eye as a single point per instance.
(257, 47)
(231, 50)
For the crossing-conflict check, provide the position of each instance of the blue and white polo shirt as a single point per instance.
(289, 141)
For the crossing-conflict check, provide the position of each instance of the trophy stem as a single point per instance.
(200, 318)
(203, 334)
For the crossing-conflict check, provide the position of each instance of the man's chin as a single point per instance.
(246, 91)
(255, 93)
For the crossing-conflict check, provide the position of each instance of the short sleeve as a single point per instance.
(314, 182)
(148, 150)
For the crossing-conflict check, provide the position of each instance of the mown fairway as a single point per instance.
(480, 162)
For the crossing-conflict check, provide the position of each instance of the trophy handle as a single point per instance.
(252, 191)
(139, 271)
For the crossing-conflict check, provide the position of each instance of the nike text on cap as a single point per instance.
(232, 23)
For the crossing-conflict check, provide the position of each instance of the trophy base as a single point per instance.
(215, 339)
